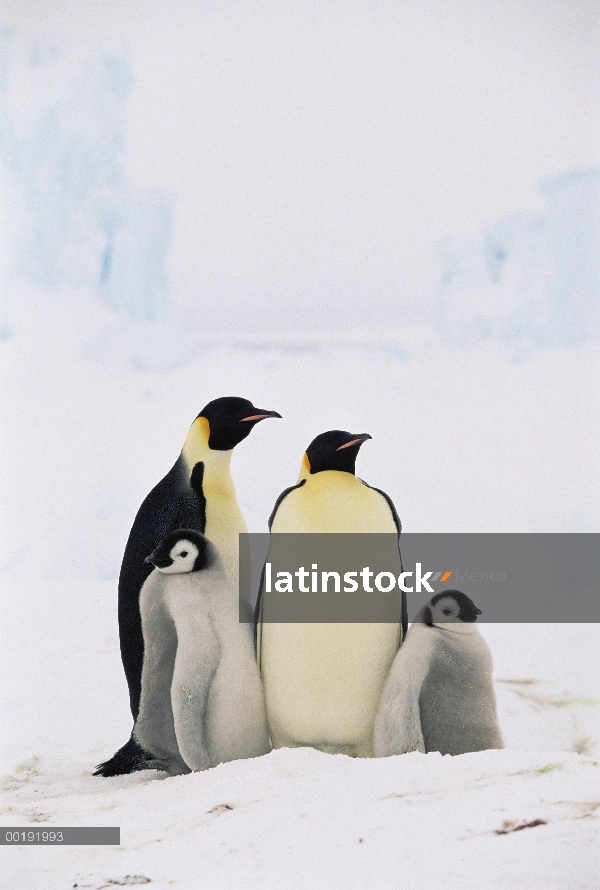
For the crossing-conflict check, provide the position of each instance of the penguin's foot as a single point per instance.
(128, 759)
(154, 763)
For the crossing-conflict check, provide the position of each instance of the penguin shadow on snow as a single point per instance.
(439, 694)
(202, 699)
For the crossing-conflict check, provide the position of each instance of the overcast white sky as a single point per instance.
(318, 151)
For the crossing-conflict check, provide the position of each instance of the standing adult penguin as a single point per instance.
(323, 681)
(197, 493)
(439, 695)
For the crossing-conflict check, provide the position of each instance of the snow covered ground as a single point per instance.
(95, 412)
(304, 819)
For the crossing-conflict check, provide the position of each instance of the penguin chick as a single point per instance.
(323, 681)
(439, 695)
(197, 493)
(202, 700)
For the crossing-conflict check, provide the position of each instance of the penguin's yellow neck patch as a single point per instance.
(195, 448)
(304, 468)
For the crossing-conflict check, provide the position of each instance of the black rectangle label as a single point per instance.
(51, 836)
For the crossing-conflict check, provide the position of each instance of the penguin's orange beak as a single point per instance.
(362, 437)
(261, 416)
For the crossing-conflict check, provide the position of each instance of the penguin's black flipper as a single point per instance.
(283, 495)
(257, 608)
(257, 612)
(398, 525)
(128, 759)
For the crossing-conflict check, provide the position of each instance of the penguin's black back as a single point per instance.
(176, 502)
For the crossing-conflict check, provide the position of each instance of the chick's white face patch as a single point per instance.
(446, 615)
(184, 555)
(446, 610)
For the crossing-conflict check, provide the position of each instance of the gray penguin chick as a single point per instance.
(439, 694)
(202, 700)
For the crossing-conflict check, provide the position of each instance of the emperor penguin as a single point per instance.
(197, 493)
(439, 695)
(323, 681)
(202, 699)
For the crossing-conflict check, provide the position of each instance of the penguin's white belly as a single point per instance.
(323, 681)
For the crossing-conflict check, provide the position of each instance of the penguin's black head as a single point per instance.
(230, 420)
(451, 605)
(184, 550)
(335, 450)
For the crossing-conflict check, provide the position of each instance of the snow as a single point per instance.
(300, 818)
(89, 430)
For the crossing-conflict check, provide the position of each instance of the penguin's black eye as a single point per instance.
(183, 553)
(447, 611)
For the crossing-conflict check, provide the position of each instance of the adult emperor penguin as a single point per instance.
(323, 681)
(439, 695)
(202, 699)
(196, 493)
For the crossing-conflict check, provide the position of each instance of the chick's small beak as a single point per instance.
(360, 438)
(159, 562)
(472, 614)
(261, 415)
